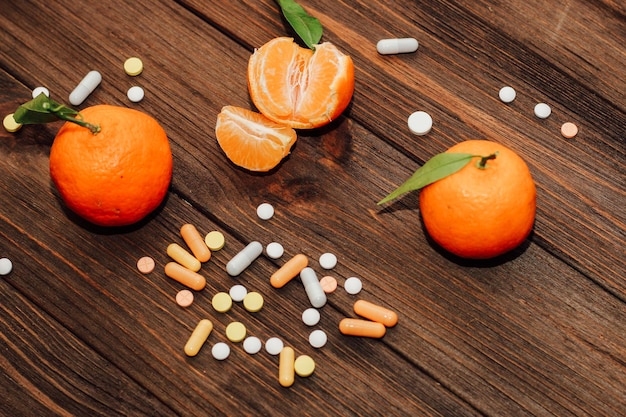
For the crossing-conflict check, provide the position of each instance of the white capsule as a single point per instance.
(244, 258)
(312, 287)
(396, 46)
(85, 87)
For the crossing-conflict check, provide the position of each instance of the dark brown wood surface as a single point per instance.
(539, 332)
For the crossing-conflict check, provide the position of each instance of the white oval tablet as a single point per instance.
(507, 94)
(274, 346)
(542, 110)
(420, 122)
(274, 250)
(6, 266)
(252, 345)
(311, 316)
(238, 292)
(318, 338)
(265, 211)
(397, 46)
(328, 260)
(353, 285)
(220, 351)
(135, 94)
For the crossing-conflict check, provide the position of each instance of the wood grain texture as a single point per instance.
(541, 331)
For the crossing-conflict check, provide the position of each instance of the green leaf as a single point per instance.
(436, 168)
(43, 109)
(307, 27)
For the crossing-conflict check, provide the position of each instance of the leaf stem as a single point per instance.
(60, 111)
(482, 164)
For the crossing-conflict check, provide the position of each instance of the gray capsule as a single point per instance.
(244, 258)
(313, 288)
(396, 46)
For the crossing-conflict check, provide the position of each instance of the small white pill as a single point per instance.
(420, 122)
(274, 345)
(265, 211)
(542, 110)
(238, 292)
(312, 287)
(135, 94)
(252, 345)
(311, 316)
(274, 250)
(38, 90)
(328, 260)
(353, 285)
(6, 266)
(318, 338)
(85, 87)
(244, 258)
(397, 46)
(507, 94)
(220, 351)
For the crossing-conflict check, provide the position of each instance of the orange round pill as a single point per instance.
(184, 298)
(145, 265)
(569, 130)
(329, 284)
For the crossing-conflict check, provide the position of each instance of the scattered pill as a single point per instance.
(318, 338)
(220, 351)
(133, 66)
(40, 90)
(420, 123)
(274, 250)
(397, 46)
(312, 287)
(328, 260)
(375, 313)
(215, 240)
(329, 284)
(252, 345)
(304, 366)
(86, 86)
(221, 302)
(198, 337)
(9, 123)
(569, 130)
(353, 285)
(6, 266)
(184, 298)
(194, 241)
(542, 110)
(286, 370)
(289, 270)
(180, 255)
(507, 94)
(145, 264)
(265, 211)
(135, 94)
(236, 331)
(273, 346)
(244, 258)
(253, 302)
(311, 316)
(185, 276)
(238, 292)
(362, 328)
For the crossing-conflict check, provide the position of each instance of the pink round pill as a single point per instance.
(184, 298)
(145, 265)
(329, 284)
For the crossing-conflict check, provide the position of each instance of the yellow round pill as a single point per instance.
(10, 124)
(304, 365)
(133, 66)
(253, 302)
(236, 331)
(214, 240)
(222, 302)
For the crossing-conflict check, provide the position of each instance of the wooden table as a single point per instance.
(540, 332)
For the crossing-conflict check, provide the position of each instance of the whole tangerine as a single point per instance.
(117, 176)
(481, 212)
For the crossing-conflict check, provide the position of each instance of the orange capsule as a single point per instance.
(362, 328)
(375, 313)
(180, 255)
(286, 366)
(185, 276)
(289, 270)
(194, 241)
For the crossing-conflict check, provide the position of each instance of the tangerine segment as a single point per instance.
(298, 87)
(251, 140)
(481, 213)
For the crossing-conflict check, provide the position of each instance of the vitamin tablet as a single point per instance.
(9, 123)
(215, 240)
(185, 276)
(328, 260)
(286, 370)
(274, 250)
(304, 366)
(236, 331)
(362, 328)
(180, 255)
(507, 94)
(252, 345)
(145, 264)
(86, 86)
(569, 130)
(318, 338)
(542, 110)
(265, 211)
(244, 258)
(353, 285)
(135, 94)
(289, 270)
(198, 337)
(397, 46)
(220, 351)
(253, 302)
(312, 287)
(184, 298)
(133, 66)
(40, 90)
(376, 313)
(194, 241)
(6, 266)
(329, 284)
(311, 316)
(273, 346)
(420, 123)
(221, 302)
(238, 292)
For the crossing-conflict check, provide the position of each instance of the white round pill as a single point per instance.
(252, 345)
(507, 94)
(38, 90)
(265, 211)
(353, 285)
(135, 94)
(328, 260)
(6, 266)
(238, 292)
(311, 316)
(420, 123)
(318, 338)
(220, 351)
(274, 346)
(274, 250)
(542, 110)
